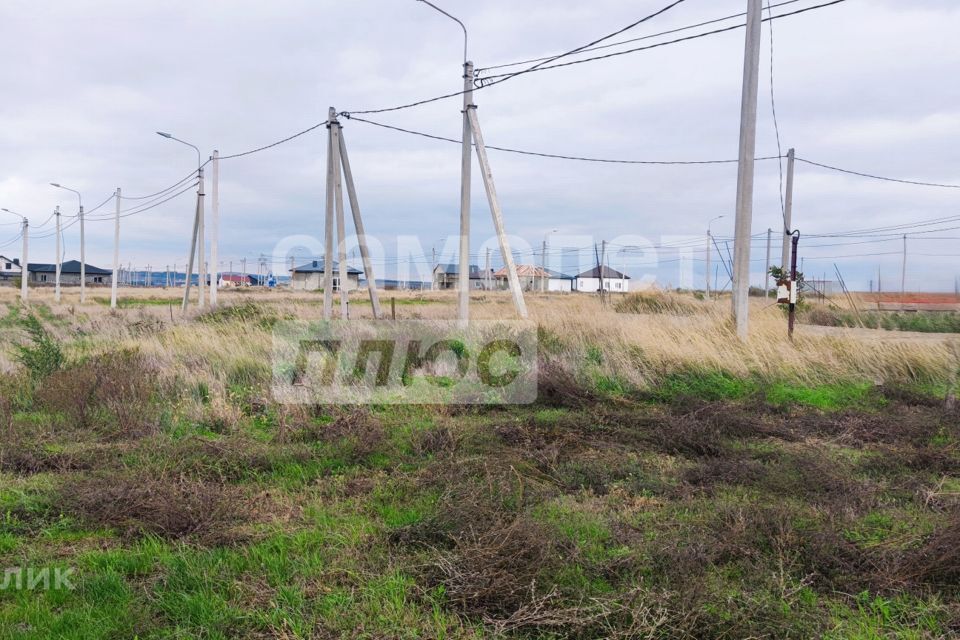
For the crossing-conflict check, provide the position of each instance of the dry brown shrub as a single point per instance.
(111, 393)
(29, 458)
(558, 387)
(494, 565)
(439, 442)
(937, 561)
(359, 428)
(164, 505)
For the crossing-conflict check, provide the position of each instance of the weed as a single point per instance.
(43, 355)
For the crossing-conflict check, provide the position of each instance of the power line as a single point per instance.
(556, 156)
(536, 67)
(147, 207)
(497, 78)
(162, 191)
(776, 127)
(876, 177)
(905, 225)
(622, 42)
(277, 143)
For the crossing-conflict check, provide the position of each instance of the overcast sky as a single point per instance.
(867, 84)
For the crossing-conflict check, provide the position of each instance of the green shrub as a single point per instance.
(43, 354)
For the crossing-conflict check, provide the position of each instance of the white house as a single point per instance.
(309, 277)
(9, 268)
(613, 281)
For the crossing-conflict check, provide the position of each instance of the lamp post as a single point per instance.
(197, 237)
(24, 261)
(83, 254)
(709, 251)
(463, 277)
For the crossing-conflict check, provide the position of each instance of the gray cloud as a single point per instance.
(866, 84)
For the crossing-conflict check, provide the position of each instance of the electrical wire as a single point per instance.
(494, 79)
(536, 67)
(274, 144)
(876, 177)
(431, 136)
(905, 225)
(622, 42)
(147, 207)
(776, 127)
(190, 175)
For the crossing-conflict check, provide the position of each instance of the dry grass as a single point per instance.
(576, 332)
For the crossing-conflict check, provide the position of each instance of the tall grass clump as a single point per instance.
(42, 355)
(658, 302)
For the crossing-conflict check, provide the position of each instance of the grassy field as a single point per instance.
(669, 482)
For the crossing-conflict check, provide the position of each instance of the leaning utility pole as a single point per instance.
(193, 252)
(215, 227)
(745, 171)
(787, 212)
(338, 170)
(496, 212)
(358, 225)
(56, 277)
(116, 253)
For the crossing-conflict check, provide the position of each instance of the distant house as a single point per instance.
(447, 276)
(309, 277)
(534, 278)
(41, 273)
(228, 280)
(9, 268)
(613, 281)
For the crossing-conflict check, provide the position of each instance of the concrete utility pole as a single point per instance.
(59, 259)
(766, 272)
(497, 213)
(903, 273)
(215, 228)
(745, 170)
(328, 222)
(463, 277)
(116, 253)
(543, 264)
(83, 255)
(25, 261)
(196, 240)
(358, 226)
(201, 245)
(486, 271)
(709, 253)
(341, 226)
(787, 211)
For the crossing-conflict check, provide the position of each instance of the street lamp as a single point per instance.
(197, 237)
(709, 251)
(466, 148)
(24, 262)
(435, 7)
(83, 248)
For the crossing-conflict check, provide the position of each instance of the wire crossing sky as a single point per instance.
(861, 93)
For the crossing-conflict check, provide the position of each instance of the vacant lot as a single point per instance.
(669, 482)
